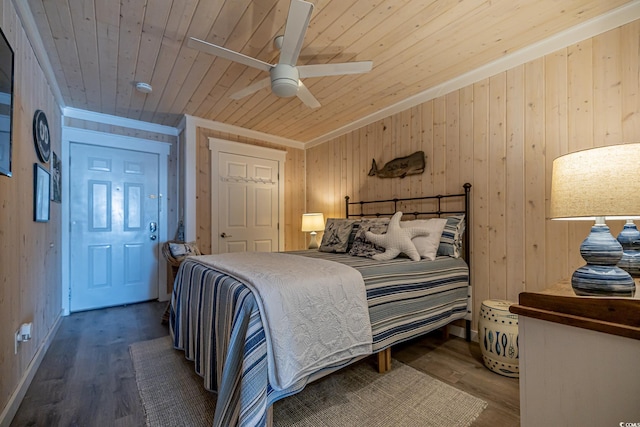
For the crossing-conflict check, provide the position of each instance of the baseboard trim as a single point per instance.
(16, 398)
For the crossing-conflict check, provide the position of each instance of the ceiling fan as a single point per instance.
(285, 75)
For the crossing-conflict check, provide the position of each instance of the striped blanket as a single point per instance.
(215, 319)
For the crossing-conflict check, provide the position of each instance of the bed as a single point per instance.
(218, 313)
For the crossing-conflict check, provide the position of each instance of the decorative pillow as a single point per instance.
(397, 240)
(182, 249)
(352, 235)
(451, 240)
(361, 246)
(336, 235)
(427, 246)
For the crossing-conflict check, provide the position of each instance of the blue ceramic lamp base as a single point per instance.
(629, 238)
(601, 280)
(601, 276)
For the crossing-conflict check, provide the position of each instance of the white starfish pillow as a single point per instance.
(397, 240)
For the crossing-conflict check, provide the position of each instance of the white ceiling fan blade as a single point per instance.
(294, 31)
(252, 88)
(227, 54)
(306, 96)
(320, 70)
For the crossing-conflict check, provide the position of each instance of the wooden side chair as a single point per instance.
(175, 252)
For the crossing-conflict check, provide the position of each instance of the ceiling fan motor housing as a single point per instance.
(284, 80)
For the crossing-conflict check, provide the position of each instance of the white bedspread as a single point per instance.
(314, 311)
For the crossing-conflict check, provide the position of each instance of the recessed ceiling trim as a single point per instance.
(591, 28)
(108, 119)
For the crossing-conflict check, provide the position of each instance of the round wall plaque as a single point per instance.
(41, 135)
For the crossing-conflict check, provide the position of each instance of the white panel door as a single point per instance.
(114, 210)
(247, 204)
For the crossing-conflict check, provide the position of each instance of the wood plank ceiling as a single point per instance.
(99, 49)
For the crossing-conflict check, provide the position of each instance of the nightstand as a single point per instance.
(579, 358)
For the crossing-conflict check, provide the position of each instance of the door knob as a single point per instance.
(225, 235)
(153, 237)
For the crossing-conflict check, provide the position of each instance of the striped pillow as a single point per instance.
(451, 239)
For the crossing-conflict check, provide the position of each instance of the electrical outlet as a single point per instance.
(23, 334)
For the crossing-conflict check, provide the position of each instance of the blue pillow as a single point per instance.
(451, 239)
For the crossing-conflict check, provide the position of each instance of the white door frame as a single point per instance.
(90, 137)
(216, 146)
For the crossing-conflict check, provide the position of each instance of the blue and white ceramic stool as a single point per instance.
(498, 336)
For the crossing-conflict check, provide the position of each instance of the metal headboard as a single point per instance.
(437, 211)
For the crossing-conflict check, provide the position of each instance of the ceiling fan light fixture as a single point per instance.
(284, 80)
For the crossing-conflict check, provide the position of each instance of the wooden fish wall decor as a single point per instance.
(400, 167)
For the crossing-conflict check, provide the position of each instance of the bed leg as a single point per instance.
(384, 360)
(467, 330)
(445, 332)
(269, 416)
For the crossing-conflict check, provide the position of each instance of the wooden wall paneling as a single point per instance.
(354, 162)
(630, 72)
(535, 175)
(439, 143)
(384, 185)
(405, 140)
(29, 291)
(374, 147)
(607, 84)
(452, 183)
(515, 186)
(342, 173)
(333, 177)
(480, 267)
(556, 137)
(497, 185)
(415, 135)
(466, 137)
(315, 184)
(203, 194)
(580, 114)
(344, 177)
(510, 128)
(427, 145)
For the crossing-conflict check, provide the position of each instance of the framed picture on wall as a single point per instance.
(56, 178)
(6, 104)
(41, 190)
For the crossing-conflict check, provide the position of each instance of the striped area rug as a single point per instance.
(172, 395)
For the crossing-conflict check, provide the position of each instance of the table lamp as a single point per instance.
(313, 222)
(596, 184)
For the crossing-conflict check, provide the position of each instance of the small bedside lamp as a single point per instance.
(313, 222)
(596, 184)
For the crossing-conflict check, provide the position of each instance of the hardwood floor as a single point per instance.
(86, 378)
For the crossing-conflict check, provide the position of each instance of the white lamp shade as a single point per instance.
(312, 222)
(599, 182)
